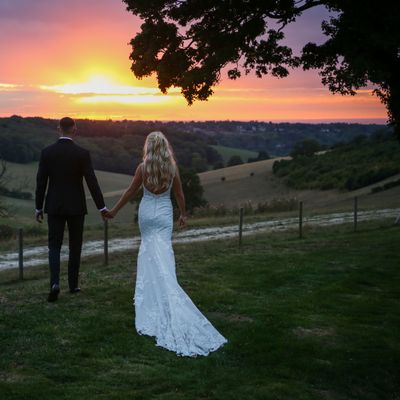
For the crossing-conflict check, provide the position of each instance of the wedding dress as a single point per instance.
(163, 309)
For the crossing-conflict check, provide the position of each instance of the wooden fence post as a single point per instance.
(240, 225)
(106, 242)
(21, 254)
(355, 212)
(301, 220)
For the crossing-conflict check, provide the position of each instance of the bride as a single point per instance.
(163, 309)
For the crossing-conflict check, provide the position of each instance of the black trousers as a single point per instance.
(56, 225)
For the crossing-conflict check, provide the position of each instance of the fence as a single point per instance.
(300, 219)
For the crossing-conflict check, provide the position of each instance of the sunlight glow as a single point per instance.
(78, 64)
(134, 100)
(101, 85)
(8, 86)
(102, 89)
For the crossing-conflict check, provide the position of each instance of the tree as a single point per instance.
(262, 155)
(199, 164)
(192, 188)
(234, 160)
(188, 42)
(306, 148)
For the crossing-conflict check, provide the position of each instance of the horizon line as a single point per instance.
(364, 121)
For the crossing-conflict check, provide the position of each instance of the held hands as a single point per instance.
(108, 214)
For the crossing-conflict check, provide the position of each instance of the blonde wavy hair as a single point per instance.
(159, 163)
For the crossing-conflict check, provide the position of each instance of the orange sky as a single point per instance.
(71, 58)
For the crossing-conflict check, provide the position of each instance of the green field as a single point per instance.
(228, 152)
(306, 319)
(22, 211)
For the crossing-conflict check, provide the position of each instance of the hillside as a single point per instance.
(234, 186)
(244, 183)
(350, 166)
(257, 183)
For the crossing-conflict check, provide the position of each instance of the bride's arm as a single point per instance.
(130, 192)
(180, 197)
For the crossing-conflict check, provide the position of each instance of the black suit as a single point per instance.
(63, 166)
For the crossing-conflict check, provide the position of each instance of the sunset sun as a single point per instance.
(104, 89)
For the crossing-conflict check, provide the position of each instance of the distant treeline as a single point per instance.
(278, 139)
(115, 146)
(359, 163)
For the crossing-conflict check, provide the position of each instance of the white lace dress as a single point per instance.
(163, 309)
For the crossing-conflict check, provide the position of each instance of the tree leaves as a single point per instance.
(187, 43)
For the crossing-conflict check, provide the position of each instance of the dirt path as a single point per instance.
(38, 255)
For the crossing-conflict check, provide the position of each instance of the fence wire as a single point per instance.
(292, 220)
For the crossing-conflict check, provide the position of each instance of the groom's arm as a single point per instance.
(42, 178)
(92, 183)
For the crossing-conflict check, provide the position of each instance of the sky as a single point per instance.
(72, 58)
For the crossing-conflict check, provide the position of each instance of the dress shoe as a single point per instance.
(54, 292)
(76, 290)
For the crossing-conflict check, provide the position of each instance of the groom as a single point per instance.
(63, 165)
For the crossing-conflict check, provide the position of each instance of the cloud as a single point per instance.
(8, 87)
(128, 100)
(100, 89)
(99, 85)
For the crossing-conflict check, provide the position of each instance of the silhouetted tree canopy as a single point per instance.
(188, 42)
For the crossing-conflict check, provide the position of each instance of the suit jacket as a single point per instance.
(63, 166)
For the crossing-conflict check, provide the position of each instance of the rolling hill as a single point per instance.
(231, 186)
(328, 178)
(256, 183)
(350, 166)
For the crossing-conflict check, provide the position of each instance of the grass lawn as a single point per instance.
(306, 319)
